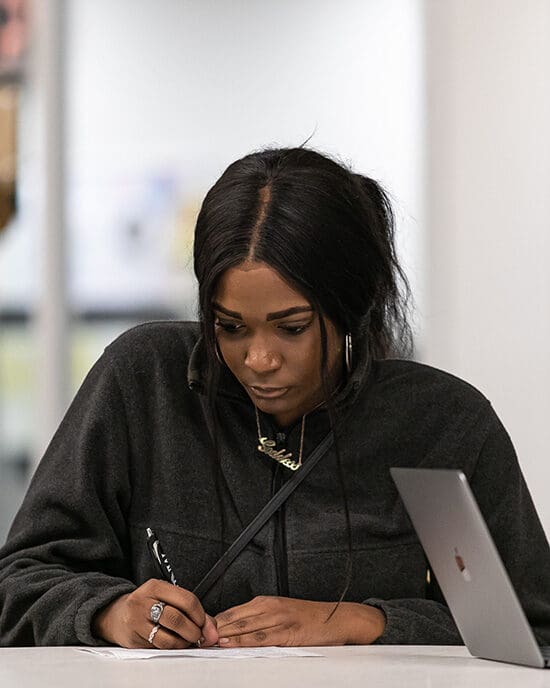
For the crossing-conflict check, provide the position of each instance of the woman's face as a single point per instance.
(270, 339)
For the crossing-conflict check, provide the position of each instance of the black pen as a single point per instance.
(160, 559)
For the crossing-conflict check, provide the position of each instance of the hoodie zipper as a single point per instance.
(280, 541)
(279, 550)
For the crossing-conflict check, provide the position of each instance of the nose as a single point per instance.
(261, 358)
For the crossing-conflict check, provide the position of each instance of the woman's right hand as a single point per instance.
(126, 621)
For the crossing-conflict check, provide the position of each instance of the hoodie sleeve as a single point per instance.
(66, 555)
(505, 502)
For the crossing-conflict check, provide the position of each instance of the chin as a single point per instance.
(274, 406)
(269, 405)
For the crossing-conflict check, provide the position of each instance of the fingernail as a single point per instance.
(201, 640)
(223, 641)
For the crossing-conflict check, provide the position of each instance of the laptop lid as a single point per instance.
(468, 567)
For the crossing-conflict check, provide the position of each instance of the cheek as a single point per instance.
(304, 358)
(232, 353)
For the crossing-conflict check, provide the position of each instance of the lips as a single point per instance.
(268, 392)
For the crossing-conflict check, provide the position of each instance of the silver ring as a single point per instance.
(156, 611)
(153, 633)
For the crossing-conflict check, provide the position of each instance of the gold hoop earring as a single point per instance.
(348, 351)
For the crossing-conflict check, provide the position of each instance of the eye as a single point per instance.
(294, 330)
(228, 326)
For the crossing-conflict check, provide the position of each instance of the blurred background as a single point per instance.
(116, 116)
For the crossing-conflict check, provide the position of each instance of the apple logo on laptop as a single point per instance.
(462, 566)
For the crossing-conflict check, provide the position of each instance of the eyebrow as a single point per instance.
(270, 316)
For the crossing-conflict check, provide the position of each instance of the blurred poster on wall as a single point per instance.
(8, 118)
(131, 241)
(13, 35)
(13, 46)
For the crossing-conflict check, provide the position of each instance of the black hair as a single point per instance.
(328, 232)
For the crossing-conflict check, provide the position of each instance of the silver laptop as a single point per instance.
(467, 566)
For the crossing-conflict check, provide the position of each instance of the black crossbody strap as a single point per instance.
(265, 514)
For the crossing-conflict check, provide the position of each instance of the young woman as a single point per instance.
(189, 429)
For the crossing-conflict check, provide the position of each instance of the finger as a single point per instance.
(209, 632)
(248, 624)
(163, 639)
(180, 624)
(275, 635)
(182, 599)
(251, 608)
(229, 615)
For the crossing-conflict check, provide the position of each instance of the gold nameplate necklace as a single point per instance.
(267, 446)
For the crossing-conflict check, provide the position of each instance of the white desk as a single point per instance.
(349, 667)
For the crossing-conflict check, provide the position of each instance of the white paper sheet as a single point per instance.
(204, 653)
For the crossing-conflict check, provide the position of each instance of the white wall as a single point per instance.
(488, 207)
